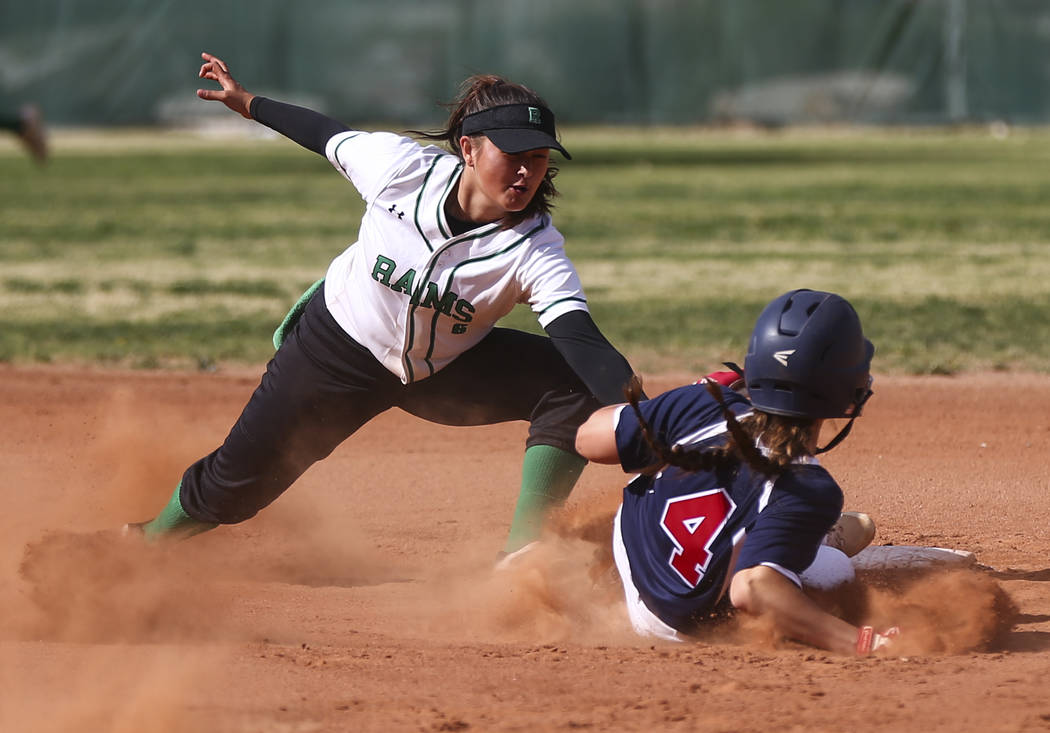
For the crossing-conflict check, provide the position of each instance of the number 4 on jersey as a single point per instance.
(693, 522)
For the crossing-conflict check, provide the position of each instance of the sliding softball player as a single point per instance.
(731, 507)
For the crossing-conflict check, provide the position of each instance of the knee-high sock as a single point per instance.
(173, 521)
(547, 477)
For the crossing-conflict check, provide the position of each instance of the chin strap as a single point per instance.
(857, 407)
(837, 439)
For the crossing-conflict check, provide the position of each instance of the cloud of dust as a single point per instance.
(554, 593)
(311, 538)
(951, 611)
(78, 582)
(305, 537)
(939, 611)
(564, 589)
(102, 586)
(124, 468)
(103, 479)
(120, 470)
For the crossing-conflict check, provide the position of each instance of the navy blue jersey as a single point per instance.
(681, 529)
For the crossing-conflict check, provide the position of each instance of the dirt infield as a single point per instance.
(364, 599)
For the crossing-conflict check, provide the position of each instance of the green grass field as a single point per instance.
(169, 250)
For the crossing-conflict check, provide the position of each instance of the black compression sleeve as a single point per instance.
(601, 367)
(310, 129)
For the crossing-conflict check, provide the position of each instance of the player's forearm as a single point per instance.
(601, 367)
(310, 129)
(763, 591)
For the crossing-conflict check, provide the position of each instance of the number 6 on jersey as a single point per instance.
(693, 522)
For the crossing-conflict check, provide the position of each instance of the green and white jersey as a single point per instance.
(409, 291)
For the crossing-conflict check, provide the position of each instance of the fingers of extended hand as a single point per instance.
(212, 59)
(232, 93)
(211, 71)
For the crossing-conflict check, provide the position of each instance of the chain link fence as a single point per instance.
(133, 62)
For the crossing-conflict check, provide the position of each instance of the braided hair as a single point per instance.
(784, 439)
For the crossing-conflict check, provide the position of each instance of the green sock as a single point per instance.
(173, 521)
(547, 477)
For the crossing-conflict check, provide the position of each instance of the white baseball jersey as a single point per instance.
(409, 291)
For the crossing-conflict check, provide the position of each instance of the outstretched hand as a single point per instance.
(232, 94)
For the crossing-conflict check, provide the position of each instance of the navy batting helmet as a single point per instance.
(808, 357)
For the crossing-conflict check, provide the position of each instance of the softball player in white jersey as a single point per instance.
(450, 241)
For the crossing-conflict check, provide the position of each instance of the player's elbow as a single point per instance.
(750, 588)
